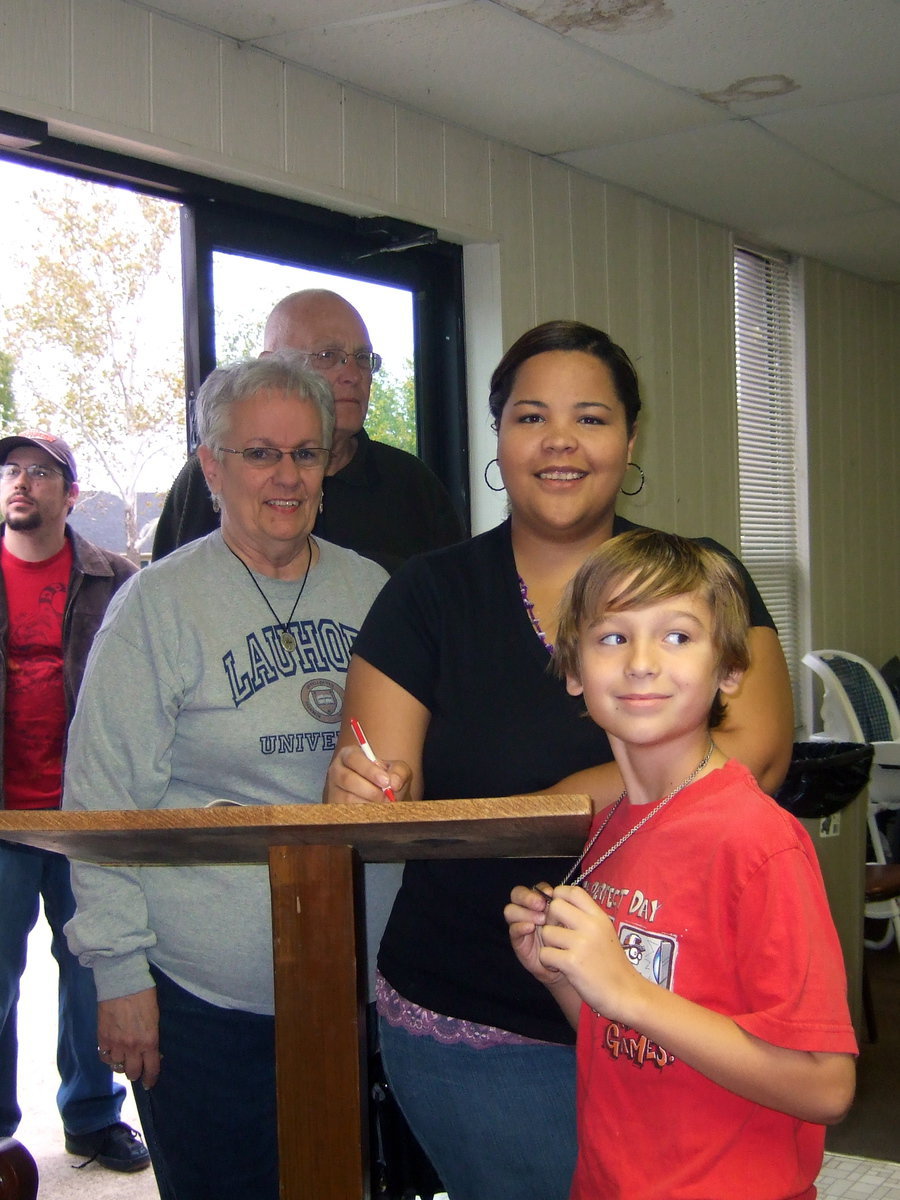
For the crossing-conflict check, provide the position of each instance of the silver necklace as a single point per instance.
(643, 821)
(287, 639)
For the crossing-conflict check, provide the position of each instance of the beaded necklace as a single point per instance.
(532, 616)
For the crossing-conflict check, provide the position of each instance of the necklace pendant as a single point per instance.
(287, 639)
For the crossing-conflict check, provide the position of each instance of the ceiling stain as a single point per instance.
(753, 87)
(598, 16)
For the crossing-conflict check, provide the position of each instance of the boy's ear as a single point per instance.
(573, 685)
(730, 682)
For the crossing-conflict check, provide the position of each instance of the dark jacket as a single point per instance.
(96, 576)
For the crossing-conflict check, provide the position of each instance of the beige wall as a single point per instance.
(541, 241)
(853, 403)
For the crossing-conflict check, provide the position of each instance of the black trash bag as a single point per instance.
(824, 777)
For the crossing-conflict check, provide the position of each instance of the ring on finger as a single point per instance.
(117, 1066)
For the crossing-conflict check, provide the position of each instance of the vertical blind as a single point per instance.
(769, 518)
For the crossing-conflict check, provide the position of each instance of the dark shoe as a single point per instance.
(117, 1147)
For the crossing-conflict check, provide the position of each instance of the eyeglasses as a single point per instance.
(12, 471)
(307, 458)
(326, 360)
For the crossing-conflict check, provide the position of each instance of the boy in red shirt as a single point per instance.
(697, 958)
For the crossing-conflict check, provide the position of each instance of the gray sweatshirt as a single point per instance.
(189, 696)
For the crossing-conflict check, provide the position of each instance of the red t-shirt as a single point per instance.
(34, 726)
(719, 898)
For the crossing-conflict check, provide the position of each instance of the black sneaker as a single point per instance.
(117, 1147)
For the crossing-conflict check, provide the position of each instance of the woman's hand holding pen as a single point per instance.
(353, 779)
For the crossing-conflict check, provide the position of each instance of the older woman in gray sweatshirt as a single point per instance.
(218, 673)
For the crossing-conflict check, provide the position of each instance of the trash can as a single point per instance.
(824, 777)
(825, 789)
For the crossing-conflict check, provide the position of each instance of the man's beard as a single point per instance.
(23, 522)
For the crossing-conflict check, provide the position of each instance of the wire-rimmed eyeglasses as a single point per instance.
(327, 360)
(307, 458)
(12, 471)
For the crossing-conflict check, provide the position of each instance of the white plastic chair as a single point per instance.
(858, 707)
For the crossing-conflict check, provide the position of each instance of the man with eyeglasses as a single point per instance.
(55, 589)
(378, 500)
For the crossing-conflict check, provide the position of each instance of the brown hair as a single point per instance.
(567, 335)
(641, 567)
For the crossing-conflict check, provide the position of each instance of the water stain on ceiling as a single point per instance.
(753, 87)
(607, 16)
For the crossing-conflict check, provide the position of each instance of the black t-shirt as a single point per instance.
(451, 629)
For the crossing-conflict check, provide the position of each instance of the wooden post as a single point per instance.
(320, 1032)
(317, 914)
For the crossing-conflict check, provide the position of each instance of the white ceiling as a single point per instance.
(777, 118)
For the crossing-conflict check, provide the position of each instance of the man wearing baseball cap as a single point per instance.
(54, 589)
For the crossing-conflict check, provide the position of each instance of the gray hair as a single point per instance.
(286, 370)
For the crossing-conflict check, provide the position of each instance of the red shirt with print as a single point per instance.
(35, 718)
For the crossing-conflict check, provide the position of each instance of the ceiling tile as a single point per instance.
(769, 117)
(825, 50)
(867, 244)
(270, 18)
(479, 66)
(735, 174)
(859, 139)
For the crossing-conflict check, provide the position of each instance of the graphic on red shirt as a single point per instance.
(651, 954)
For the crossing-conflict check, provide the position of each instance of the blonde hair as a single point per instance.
(642, 567)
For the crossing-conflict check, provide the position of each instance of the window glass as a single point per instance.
(355, 252)
(245, 289)
(418, 400)
(91, 345)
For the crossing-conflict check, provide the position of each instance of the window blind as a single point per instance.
(767, 440)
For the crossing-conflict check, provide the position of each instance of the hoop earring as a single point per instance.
(640, 486)
(501, 488)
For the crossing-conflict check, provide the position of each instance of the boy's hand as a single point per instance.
(579, 941)
(525, 915)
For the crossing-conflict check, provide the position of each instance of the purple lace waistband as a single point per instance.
(422, 1022)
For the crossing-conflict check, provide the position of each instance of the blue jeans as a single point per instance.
(87, 1099)
(210, 1120)
(497, 1123)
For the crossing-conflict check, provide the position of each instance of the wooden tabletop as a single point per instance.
(507, 826)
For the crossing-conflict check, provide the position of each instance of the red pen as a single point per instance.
(368, 752)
